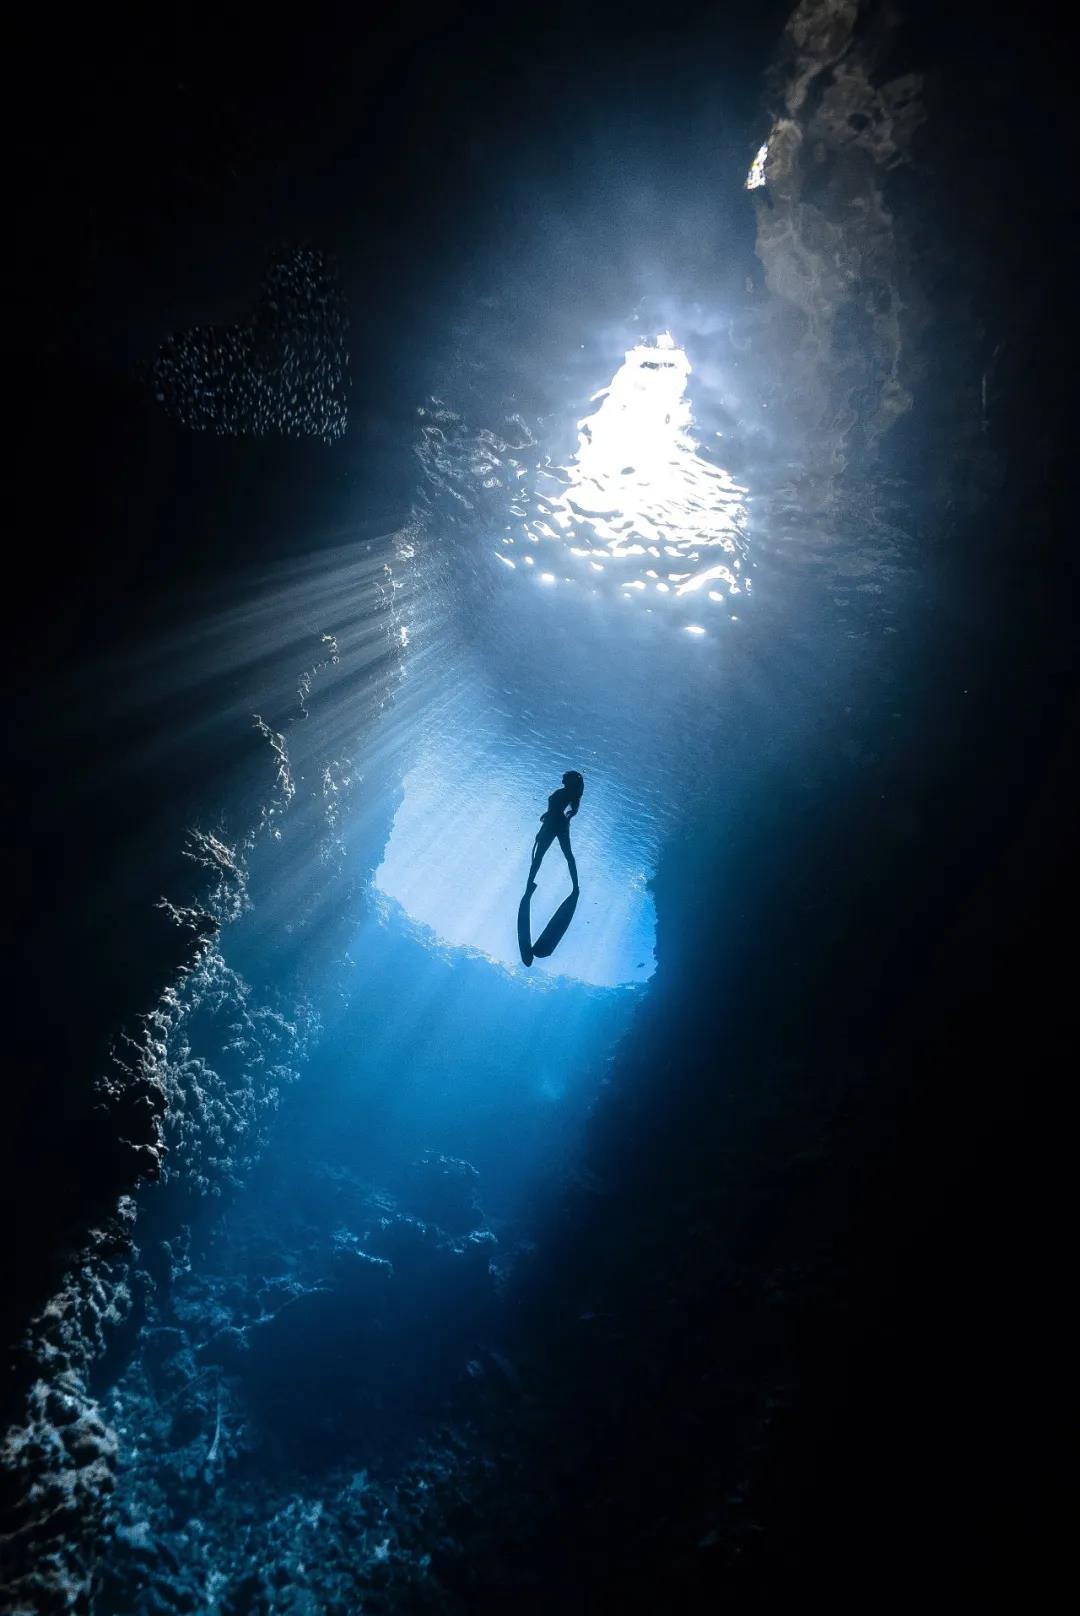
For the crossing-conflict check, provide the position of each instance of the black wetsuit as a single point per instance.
(555, 823)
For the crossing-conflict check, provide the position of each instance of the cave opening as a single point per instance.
(515, 419)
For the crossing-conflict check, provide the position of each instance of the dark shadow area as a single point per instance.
(555, 930)
(524, 927)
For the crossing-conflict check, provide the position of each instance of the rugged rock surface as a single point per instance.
(182, 1101)
(903, 227)
(193, 1118)
(58, 1460)
(835, 258)
(271, 1408)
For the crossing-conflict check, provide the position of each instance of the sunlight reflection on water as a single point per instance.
(641, 516)
(640, 511)
(640, 502)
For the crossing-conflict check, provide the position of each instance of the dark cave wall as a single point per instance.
(834, 257)
(180, 1096)
(910, 233)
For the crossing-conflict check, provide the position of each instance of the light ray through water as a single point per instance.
(642, 513)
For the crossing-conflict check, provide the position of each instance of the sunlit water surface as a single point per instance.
(641, 519)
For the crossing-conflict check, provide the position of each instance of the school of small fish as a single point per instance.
(284, 369)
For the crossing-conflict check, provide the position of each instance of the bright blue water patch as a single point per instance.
(438, 1048)
(458, 856)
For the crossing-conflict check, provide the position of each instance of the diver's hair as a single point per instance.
(574, 783)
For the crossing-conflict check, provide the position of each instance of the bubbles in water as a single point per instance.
(283, 369)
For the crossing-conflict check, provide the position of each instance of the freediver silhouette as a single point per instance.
(554, 825)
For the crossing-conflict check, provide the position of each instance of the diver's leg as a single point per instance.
(568, 851)
(543, 841)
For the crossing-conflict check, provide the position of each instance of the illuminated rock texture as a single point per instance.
(835, 258)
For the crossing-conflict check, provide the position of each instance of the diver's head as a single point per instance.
(573, 782)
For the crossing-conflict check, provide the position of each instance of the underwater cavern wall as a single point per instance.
(733, 1360)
